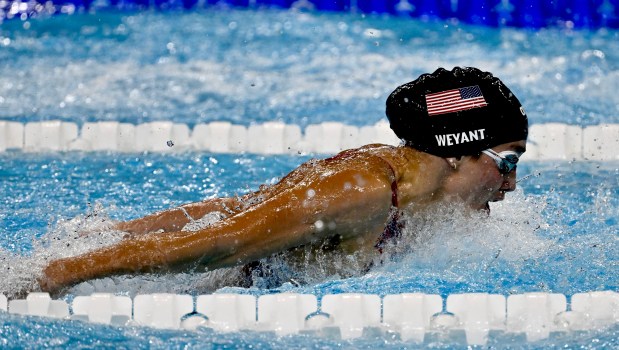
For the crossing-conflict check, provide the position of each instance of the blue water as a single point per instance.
(301, 68)
(558, 233)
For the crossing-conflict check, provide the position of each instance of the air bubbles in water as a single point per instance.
(205, 221)
(448, 242)
(65, 238)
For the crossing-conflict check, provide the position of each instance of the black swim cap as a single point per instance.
(455, 113)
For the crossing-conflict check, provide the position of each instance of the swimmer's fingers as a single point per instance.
(47, 282)
(54, 278)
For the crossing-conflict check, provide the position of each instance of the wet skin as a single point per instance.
(477, 181)
(348, 197)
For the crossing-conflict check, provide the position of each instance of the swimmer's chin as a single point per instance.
(499, 197)
(486, 206)
(482, 207)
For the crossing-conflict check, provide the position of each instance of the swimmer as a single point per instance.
(463, 132)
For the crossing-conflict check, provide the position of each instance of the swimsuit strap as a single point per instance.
(394, 190)
(393, 228)
(394, 183)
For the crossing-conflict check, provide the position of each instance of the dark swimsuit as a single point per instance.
(392, 230)
(394, 226)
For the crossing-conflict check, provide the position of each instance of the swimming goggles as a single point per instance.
(506, 161)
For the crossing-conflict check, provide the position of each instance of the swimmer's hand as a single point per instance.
(55, 277)
(66, 272)
(142, 254)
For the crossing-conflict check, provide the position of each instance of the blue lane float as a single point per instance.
(535, 14)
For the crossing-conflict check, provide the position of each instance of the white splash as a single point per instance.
(66, 238)
(449, 237)
(446, 238)
(204, 222)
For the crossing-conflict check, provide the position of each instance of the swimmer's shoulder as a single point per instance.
(364, 153)
(397, 157)
(369, 151)
(396, 160)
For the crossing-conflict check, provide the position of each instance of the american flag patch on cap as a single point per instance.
(455, 100)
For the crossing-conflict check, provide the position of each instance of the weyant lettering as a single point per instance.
(461, 137)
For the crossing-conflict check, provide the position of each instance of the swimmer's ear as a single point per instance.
(454, 162)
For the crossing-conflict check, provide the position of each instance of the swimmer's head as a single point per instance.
(456, 113)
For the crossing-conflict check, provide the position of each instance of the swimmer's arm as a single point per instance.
(175, 219)
(353, 201)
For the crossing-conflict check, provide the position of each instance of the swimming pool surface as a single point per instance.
(558, 233)
(301, 68)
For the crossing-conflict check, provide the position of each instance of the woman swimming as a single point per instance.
(463, 132)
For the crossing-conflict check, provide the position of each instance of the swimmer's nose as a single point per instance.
(509, 182)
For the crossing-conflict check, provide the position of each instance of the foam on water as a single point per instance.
(300, 68)
(450, 233)
(252, 67)
(448, 241)
(64, 238)
(557, 234)
(553, 238)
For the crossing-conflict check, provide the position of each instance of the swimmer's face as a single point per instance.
(480, 181)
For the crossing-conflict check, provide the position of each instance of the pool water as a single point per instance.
(301, 68)
(557, 233)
